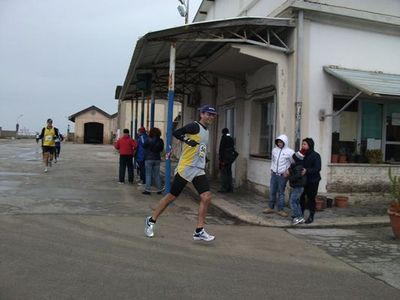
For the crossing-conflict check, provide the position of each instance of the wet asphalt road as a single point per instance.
(74, 233)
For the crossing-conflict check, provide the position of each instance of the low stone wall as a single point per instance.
(7, 133)
(360, 178)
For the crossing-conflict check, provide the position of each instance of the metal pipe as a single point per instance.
(299, 77)
(142, 112)
(171, 95)
(152, 107)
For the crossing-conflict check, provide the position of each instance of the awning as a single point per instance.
(372, 83)
(195, 44)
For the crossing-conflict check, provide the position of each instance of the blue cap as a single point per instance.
(208, 109)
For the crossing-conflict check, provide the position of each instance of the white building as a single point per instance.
(288, 70)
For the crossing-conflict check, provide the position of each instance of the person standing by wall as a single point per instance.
(153, 146)
(140, 159)
(280, 163)
(191, 168)
(312, 168)
(48, 136)
(227, 155)
(126, 147)
(297, 181)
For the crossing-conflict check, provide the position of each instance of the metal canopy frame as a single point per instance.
(194, 44)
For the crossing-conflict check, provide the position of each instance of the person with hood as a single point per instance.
(227, 155)
(126, 147)
(142, 136)
(311, 168)
(153, 146)
(297, 181)
(280, 163)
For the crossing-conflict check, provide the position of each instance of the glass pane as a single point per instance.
(267, 128)
(392, 153)
(371, 121)
(393, 122)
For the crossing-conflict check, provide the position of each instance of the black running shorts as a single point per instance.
(200, 183)
(49, 149)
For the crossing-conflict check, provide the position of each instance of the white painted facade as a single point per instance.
(352, 34)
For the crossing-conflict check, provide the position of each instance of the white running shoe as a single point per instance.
(149, 227)
(203, 236)
(45, 170)
(298, 221)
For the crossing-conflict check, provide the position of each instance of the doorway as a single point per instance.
(93, 133)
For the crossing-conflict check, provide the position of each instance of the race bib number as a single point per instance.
(202, 150)
(49, 138)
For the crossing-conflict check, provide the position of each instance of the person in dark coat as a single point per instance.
(141, 138)
(153, 146)
(312, 168)
(297, 181)
(227, 155)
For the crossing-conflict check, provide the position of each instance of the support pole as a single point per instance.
(299, 77)
(152, 107)
(171, 95)
(142, 112)
(132, 133)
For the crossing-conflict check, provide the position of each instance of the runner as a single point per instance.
(48, 136)
(58, 141)
(190, 168)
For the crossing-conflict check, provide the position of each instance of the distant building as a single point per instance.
(94, 126)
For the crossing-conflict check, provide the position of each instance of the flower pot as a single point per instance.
(342, 201)
(394, 215)
(342, 159)
(334, 158)
(320, 203)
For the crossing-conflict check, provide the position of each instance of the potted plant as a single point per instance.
(342, 155)
(374, 156)
(394, 209)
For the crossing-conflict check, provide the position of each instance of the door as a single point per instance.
(93, 133)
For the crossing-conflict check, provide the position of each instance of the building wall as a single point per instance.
(92, 116)
(234, 8)
(347, 47)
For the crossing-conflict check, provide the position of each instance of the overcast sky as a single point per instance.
(58, 57)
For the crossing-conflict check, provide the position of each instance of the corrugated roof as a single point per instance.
(373, 83)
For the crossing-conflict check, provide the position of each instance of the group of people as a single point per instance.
(146, 151)
(302, 170)
(51, 144)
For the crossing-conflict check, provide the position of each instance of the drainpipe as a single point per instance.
(299, 77)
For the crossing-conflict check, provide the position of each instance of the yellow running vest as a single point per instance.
(48, 138)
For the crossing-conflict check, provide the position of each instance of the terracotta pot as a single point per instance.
(320, 203)
(394, 215)
(334, 158)
(342, 159)
(342, 201)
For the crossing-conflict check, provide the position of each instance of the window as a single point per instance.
(262, 127)
(363, 127)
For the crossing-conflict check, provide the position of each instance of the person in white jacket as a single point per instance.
(280, 163)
